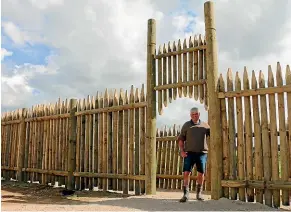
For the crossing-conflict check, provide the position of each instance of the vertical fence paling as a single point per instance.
(91, 143)
(160, 81)
(176, 157)
(284, 155)
(170, 73)
(159, 149)
(258, 140)
(95, 132)
(137, 142)
(21, 149)
(30, 146)
(170, 159)
(125, 147)
(131, 139)
(114, 140)
(62, 141)
(72, 144)
(196, 68)
(201, 70)
(109, 145)
(248, 136)
(100, 141)
(165, 76)
(224, 136)
(78, 147)
(231, 135)
(273, 137)
(143, 132)
(265, 140)
(57, 156)
(240, 137)
(120, 138)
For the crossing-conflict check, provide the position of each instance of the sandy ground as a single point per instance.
(27, 197)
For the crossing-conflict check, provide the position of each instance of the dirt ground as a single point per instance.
(28, 197)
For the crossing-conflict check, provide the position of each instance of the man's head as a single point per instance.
(195, 114)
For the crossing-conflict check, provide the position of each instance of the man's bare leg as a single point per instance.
(200, 180)
(186, 176)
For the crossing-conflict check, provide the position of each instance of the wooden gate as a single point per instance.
(182, 70)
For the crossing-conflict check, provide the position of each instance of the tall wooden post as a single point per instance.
(21, 146)
(214, 103)
(151, 110)
(72, 144)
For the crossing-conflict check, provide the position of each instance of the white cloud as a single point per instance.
(5, 53)
(182, 21)
(15, 33)
(17, 85)
(102, 44)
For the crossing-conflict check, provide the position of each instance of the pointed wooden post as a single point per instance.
(151, 110)
(21, 147)
(72, 144)
(214, 103)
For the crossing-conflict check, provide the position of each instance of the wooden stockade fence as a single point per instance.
(256, 121)
(111, 142)
(99, 140)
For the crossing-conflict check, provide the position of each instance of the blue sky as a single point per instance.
(29, 53)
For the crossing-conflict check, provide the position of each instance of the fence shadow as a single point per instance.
(19, 192)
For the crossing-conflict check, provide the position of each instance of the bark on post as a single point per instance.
(21, 146)
(72, 144)
(214, 104)
(151, 110)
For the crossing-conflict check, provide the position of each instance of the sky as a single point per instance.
(54, 49)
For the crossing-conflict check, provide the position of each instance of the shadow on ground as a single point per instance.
(25, 193)
(30, 193)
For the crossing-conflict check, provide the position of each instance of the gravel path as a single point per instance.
(32, 197)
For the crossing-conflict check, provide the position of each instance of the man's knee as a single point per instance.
(200, 174)
(186, 173)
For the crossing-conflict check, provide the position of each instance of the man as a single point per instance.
(194, 149)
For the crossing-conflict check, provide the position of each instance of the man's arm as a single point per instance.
(181, 145)
(182, 138)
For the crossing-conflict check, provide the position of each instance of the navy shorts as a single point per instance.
(195, 158)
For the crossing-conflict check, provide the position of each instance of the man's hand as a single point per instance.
(183, 154)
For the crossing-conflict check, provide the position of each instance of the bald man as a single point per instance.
(194, 149)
